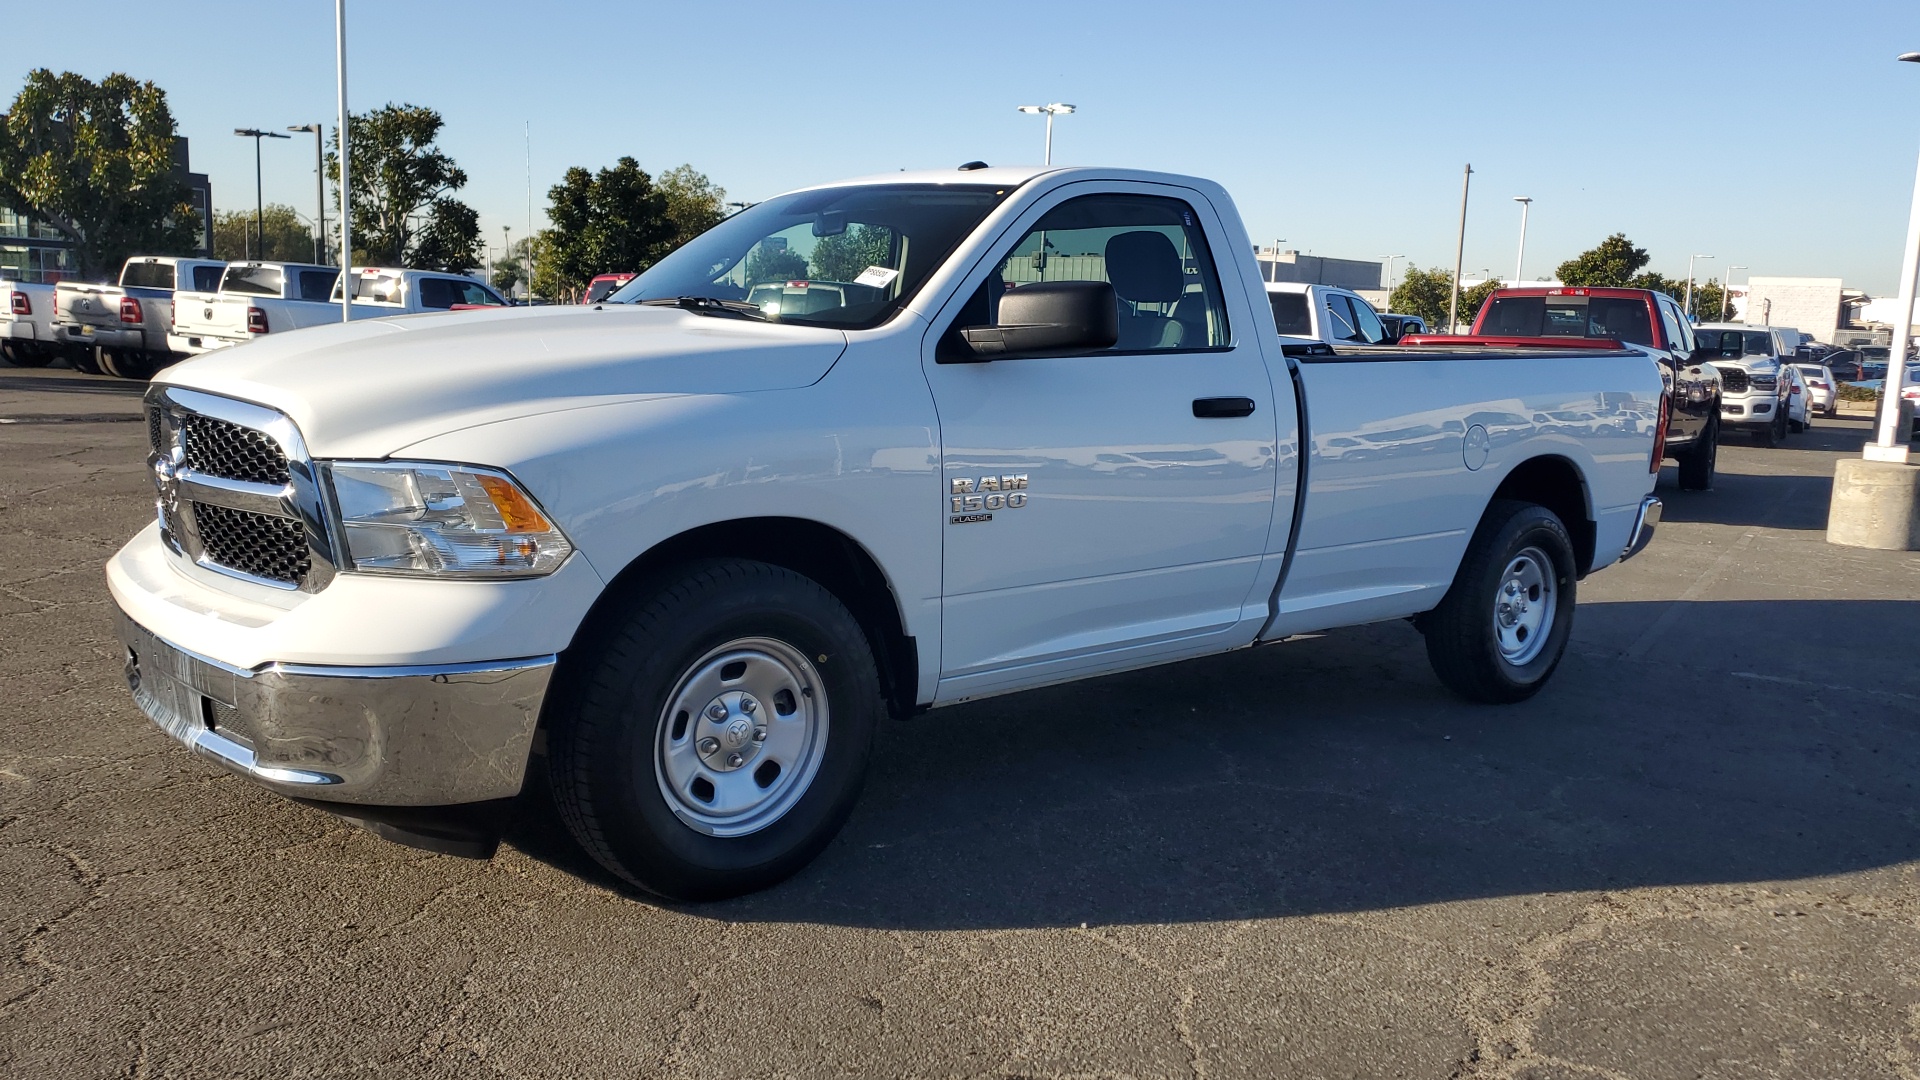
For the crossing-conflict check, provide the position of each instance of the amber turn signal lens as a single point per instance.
(516, 510)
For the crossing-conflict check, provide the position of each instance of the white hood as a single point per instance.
(367, 388)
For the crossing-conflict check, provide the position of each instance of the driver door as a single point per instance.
(1112, 508)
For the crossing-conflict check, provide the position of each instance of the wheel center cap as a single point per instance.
(737, 732)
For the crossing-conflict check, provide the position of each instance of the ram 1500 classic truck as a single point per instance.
(1566, 316)
(695, 552)
(26, 324)
(123, 328)
(252, 298)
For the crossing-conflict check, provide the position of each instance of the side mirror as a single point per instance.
(1047, 317)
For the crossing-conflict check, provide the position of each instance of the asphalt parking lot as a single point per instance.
(1695, 855)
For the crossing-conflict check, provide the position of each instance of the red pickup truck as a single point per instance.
(1648, 321)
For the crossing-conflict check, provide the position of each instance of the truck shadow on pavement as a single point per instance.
(1334, 774)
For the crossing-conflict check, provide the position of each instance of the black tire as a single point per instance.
(610, 724)
(1697, 462)
(1795, 426)
(27, 354)
(85, 360)
(1770, 436)
(129, 364)
(1462, 644)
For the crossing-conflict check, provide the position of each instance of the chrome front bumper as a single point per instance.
(387, 736)
(1643, 526)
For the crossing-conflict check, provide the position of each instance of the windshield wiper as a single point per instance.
(710, 305)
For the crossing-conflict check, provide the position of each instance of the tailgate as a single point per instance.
(211, 315)
(96, 306)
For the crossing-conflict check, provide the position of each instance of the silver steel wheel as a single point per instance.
(741, 737)
(1523, 606)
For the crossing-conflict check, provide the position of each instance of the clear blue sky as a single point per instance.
(1782, 136)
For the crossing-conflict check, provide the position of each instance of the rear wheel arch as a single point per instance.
(1556, 483)
(822, 553)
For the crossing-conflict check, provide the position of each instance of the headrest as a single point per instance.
(1144, 268)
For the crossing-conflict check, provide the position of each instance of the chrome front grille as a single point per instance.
(1734, 381)
(236, 492)
(260, 545)
(221, 448)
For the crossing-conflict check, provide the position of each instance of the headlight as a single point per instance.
(435, 520)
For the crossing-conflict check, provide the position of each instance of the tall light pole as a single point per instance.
(1726, 282)
(1273, 264)
(319, 132)
(506, 241)
(1390, 261)
(1520, 260)
(259, 199)
(1687, 308)
(1459, 251)
(1055, 109)
(347, 282)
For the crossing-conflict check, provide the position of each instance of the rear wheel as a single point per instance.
(1697, 461)
(1503, 626)
(716, 739)
(128, 363)
(26, 353)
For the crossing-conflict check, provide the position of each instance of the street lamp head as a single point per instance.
(1911, 57)
(311, 129)
(1523, 198)
(1056, 107)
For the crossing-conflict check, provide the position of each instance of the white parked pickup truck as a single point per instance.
(271, 298)
(26, 324)
(122, 329)
(253, 298)
(695, 552)
(1750, 359)
(1305, 313)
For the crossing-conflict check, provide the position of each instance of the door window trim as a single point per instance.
(1001, 245)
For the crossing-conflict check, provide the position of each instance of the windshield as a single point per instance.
(147, 275)
(1732, 343)
(1622, 319)
(253, 280)
(1290, 314)
(871, 247)
(603, 288)
(374, 285)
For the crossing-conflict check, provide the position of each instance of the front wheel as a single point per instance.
(1698, 461)
(1503, 626)
(715, 739)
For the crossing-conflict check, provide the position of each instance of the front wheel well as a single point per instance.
(1555, 483)
(820, 552)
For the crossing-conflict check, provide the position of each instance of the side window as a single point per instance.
(1670, 323)
(472, 292)
(1337, 318)
(1368, 323)
(1151, 249)
(438, 294)
(317, 285)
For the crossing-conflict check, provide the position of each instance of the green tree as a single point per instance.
(1612, 264)
(1471, 300)
(770, 263)
(404, 213)
(1710, 303)
(694, 203)
(288, 239)
(1424, 293)
(607, 222)
(97, 162)
(845, 256)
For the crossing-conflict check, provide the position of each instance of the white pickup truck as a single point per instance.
(1305, 313)
(686, 554)
(272, 298)
(253, 298)
(26, 324)
(122, 329)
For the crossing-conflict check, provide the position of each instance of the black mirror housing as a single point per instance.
(1048, 317)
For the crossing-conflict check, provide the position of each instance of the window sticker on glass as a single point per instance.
(878, 277)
